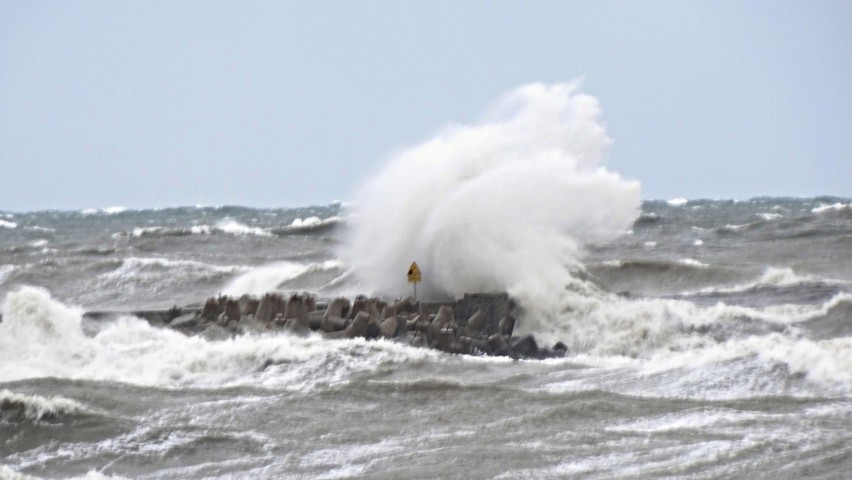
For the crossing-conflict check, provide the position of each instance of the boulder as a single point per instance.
(356, 328)
(389, 327)
(296, 308)
(315, 319)
(443, 319)
(338, 307)
(231, 309)
(215, 333)
(498, 345)
(360, 305)
(247, 304)
(475, 323)
(212, 309)
(525, 346)
(185, 321)
(507, 325)
(265, 309)
(330, 324)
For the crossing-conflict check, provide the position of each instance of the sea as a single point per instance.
(710, 339)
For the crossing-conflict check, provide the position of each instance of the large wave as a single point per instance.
(502, 205)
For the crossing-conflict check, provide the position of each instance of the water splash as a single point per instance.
(502, 205)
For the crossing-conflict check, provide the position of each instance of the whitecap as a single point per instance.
(133, 267)
(832, 207)
(114, 210)
(5, 271)
(677, 202)
(691, 262)
(268, 278)
(36, 407)
(229, 225)
(7, 224)
(40, 337)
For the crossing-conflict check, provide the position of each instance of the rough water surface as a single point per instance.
(712, 340)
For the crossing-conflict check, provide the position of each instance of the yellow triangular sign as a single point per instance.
(413, 273)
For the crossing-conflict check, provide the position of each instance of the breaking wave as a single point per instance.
(270, 278)
(502, 205)
(17, 406)
(41, 337)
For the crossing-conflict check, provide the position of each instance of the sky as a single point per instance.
(285, 104)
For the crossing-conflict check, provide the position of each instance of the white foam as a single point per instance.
(36, 407)
(500, 205)
(770, 216)
(7, 224)
(40, 337)
(7, 473)
(691, 262)
(772, 276)
(307, 222)
(698, 242)
(735, 228)
(114, 210)
(268, 278)
(140, 267)
(39, 243)
(650, 245)
(229, 225)
(834, 207)
(677, 202)
(5, 271)
(311, 223)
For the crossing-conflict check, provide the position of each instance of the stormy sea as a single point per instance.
(705, 338)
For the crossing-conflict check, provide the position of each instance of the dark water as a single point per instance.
(713, 341)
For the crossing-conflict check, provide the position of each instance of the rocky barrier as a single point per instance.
(477, 324)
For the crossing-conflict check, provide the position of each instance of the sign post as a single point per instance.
(414, 276)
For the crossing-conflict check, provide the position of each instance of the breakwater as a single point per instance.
(476, 324)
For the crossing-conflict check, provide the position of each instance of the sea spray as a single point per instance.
(502, 205)
(41, 337)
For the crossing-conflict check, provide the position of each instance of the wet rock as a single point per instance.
(475, 323)
(248, 324)
(498, 345)
(389, 327)
(560, 349)
(373, 327)
(525, 346)
(185, 321)
(338, 307)
(358, 306)
(212, 309)
(232, 310)
(443, 319)
(294, 326)
(247, 304)
(213, 333)
(265, 309)
(356, 328)
(507, 325)
(333, 324)
(298, 309)
(315, 319)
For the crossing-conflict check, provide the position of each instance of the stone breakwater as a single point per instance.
(477, 324)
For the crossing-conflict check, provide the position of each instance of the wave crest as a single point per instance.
(502, 205)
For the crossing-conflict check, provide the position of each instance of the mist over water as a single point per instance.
(502, 205)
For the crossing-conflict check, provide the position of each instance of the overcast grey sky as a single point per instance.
(152, 104)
